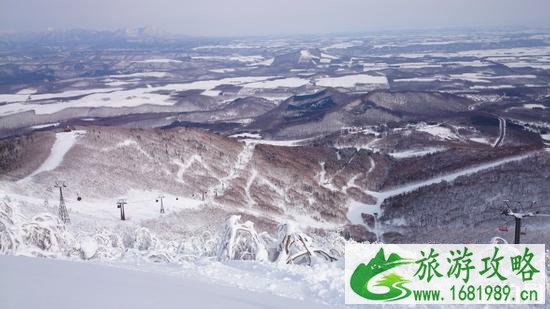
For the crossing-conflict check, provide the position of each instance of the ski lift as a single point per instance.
(503, 228)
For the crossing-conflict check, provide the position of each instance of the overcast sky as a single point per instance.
(257, 17)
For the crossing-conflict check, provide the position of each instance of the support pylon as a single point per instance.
(62, 210)
(161, 197)
(120, 204)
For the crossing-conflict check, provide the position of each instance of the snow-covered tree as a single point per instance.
(296, 247)
(8, 233)
(240, 241)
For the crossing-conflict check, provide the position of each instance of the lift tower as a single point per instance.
(518, 216)
(120, 204)
(62, 211)
(161, 197)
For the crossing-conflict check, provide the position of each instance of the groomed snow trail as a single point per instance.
(356, 208)
(64, 141)
(184, 166)
(502, 132)
(243, 159)
(250, 201)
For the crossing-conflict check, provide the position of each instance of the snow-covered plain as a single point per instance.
(113, 97)
(159, 60)
(349, 81)
(291, 82)
(141, 74)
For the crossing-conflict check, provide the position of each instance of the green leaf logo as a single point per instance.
(364, 273)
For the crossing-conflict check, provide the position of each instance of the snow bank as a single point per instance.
(86, 285)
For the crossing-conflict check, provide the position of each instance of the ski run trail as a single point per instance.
(357, 208)
(64, 141)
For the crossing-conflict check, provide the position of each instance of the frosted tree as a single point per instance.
(296, 247)
(8, 233)
(240, 241)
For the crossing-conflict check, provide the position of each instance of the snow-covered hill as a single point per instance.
(205, 178)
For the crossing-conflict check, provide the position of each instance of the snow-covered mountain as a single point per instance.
(245, 165)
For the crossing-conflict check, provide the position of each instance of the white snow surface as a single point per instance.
(159, 265)
(533, 106)
(12, 98)
(247, 135)
(235, 58)
(141, 74)
(113, 97)
(211, 93)
(411, 153)
(223, 70)
(93, 286)
(281, 143)
(46, 125)
(158, 61)
(349, 81)
(481, 140)
(437, 131)
(343, 45)
(290, 82)
(64, 141)
(306, 56)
